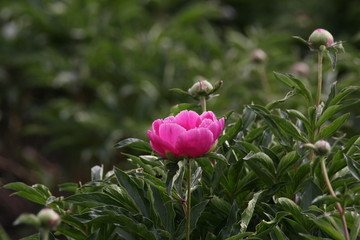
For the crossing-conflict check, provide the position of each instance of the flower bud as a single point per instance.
(320, 37)
(300, 68)
(201, 88)
(322, 148)
(48, 218)
(258, 56)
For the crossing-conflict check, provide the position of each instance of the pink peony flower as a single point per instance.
(187, 134)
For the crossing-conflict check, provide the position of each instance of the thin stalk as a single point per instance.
(319, 87)
(203, 103)
(338, 205)
(45, 233)
(264, 81)
(188, 200)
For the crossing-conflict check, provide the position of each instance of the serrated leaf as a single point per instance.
(136, 144)
(330, 129)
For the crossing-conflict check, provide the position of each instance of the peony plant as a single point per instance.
(267, 172)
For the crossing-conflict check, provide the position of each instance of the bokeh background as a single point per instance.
(77, 76)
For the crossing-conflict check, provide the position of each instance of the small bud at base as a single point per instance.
(201, 88)
(320, 37)
(322, 148)
(48, 218)
(258, 56)
(300, 68)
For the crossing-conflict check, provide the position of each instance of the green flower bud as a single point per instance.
(320, 37)
(322, 148)
(258, 56)
(48, 218)
(201, 88)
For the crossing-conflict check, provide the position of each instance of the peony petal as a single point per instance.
(169, 132)
(208, 115)
(155, 126)
(205, 123)
(188, 119)
(159, 145)
(194, 142)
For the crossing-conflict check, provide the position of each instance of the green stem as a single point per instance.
(188, 200)
(203, 104)
(264, 81)
(45, 234)
(320, 65)
(338, 205)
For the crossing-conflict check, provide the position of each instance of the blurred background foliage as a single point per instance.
(76, 76)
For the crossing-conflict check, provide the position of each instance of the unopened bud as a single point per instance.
(300, 68)
(320, 37)
(201, 88)
(48, 218)
(258, 56)
(322, 148)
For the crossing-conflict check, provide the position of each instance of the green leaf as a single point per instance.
(195, 214)
(330, 129)
(262, 165)
(231, 132)
(289, 128)
(29, 219)
(3, 234)
(332, 54)
(287, 161)
(70, 232)
(284, 79)
(32, 237)
(301, 40)
(135, 144)
(264, 227)
(353, 166)
(138, 162)
(295, 211)
(240, 236)
(342, 94)
(220, 204)
(279, 101)
(36, 193)
(70, 187)
(300, 116)
(248, 212)
(327, 114)
(135, 193)
(93, 197)
(183, 106)
(180, 91)
(216, 156)
(174, 172)
(327, 227)
(165, 209)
